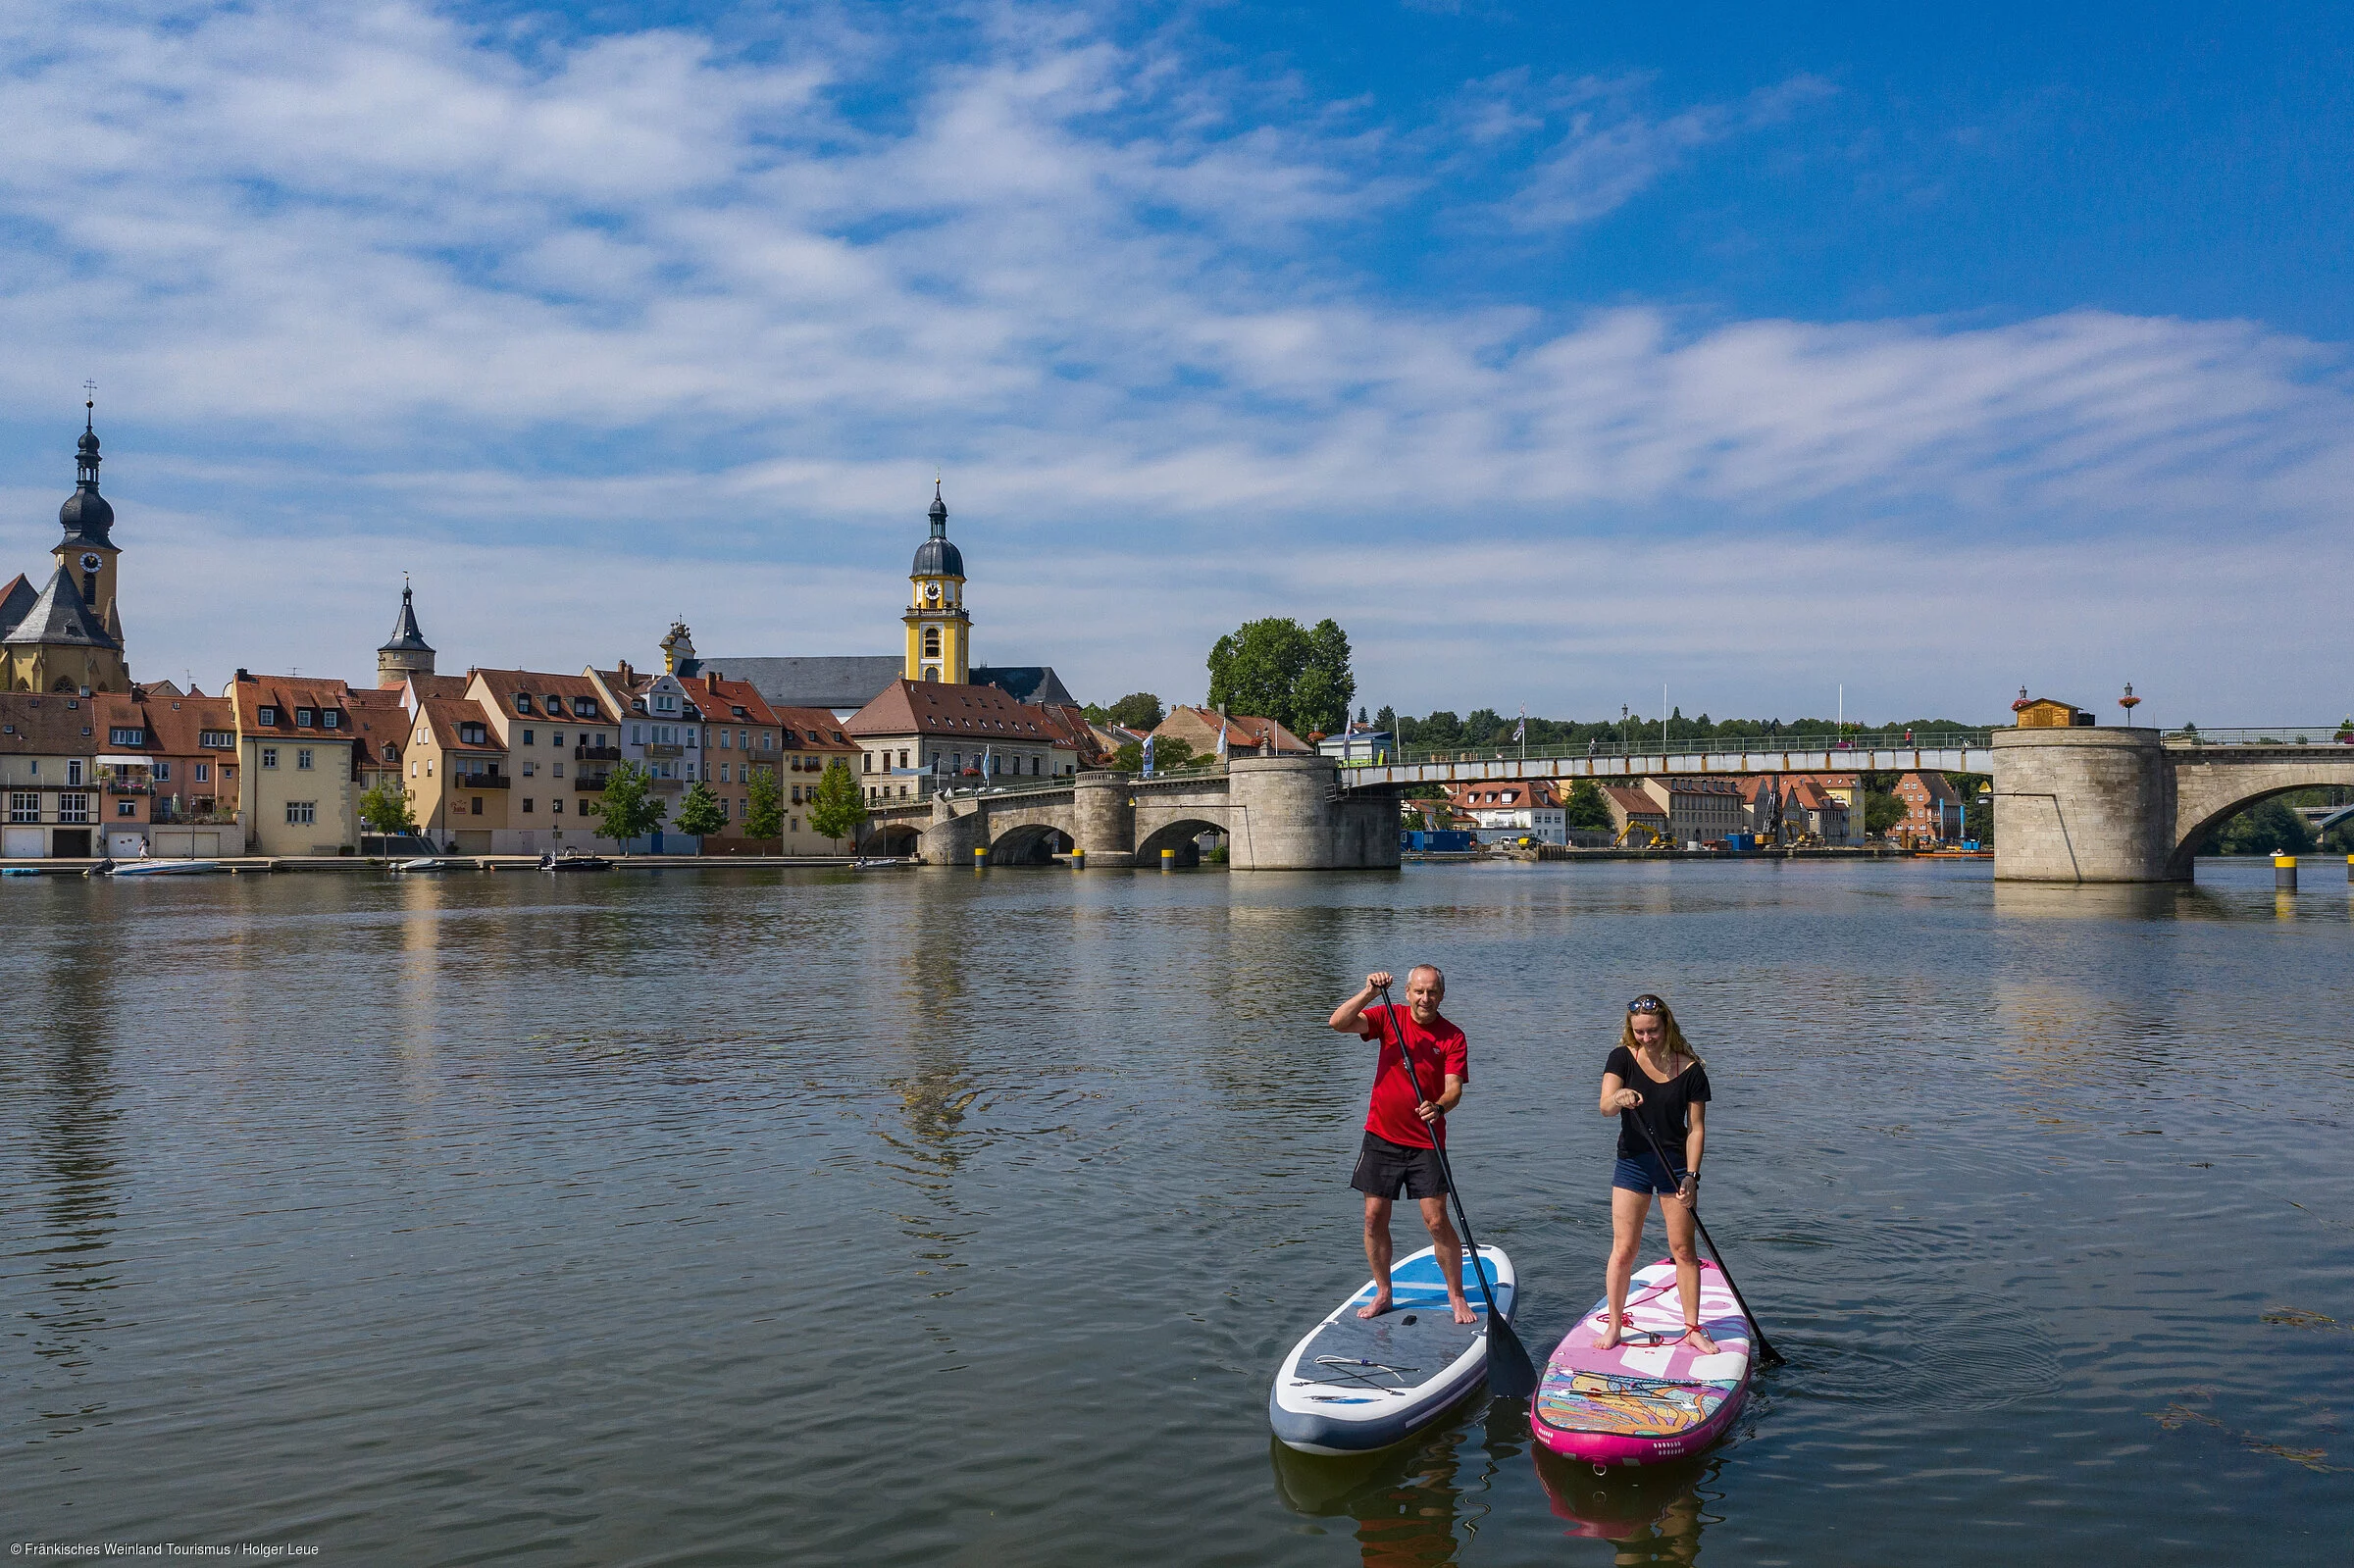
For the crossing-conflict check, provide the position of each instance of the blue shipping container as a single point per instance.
(1443, 840)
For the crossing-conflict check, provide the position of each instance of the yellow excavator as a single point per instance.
(1644, 835)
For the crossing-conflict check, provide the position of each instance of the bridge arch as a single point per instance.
(1179, 836)
(2208, 796)
(892, 839)
(1029, 843)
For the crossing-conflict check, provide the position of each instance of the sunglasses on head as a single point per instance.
(1644, 1004)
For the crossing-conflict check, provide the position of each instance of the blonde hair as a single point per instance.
(1674, 1039)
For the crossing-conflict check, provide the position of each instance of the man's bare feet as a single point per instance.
(1607, 1340)
(1375, 1307)
(1462, 1309)
(1698, 1339)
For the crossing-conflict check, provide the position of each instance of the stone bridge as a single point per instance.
(2113, 804)
(1276, 813)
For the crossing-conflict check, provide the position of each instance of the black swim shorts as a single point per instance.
(1396, 1170)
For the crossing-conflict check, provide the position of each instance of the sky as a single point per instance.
(1769, 358)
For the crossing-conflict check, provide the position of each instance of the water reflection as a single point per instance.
(1403, 1499)
(1654, 1514)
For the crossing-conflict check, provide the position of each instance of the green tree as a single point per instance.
(1881, 812)
(1138, 710)
(1484, 728)
(385, 808)
(1326, 685)
(2268, 827)
(1386, 721)
(838, 810)
(1586, 807)
(626, 809)
(1300, 678)
(1168, 755)
(765, 805)
(699, 811)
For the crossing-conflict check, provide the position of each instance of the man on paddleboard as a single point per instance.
(1402, 1131)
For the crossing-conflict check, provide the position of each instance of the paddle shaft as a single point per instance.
(1766, 1348)
(1446, 1171)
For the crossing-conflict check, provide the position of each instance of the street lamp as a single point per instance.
(2128, 702)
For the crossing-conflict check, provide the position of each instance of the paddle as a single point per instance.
(1765, 1351)
(1510, 1371)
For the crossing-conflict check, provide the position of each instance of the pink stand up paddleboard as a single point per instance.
(1651, 1398)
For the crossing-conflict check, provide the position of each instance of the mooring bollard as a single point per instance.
(1168, 860)
(1079, 859)
(980, 857)
(2284, 874)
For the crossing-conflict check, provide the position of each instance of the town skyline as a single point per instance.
(1750, 364)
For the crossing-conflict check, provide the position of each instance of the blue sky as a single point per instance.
(1559, 352)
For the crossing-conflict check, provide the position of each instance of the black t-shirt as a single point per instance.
(1663, 1107)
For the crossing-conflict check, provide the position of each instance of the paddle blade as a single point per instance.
(1511, 1374)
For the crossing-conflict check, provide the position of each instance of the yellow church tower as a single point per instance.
(940, 633)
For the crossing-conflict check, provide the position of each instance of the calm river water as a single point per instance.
(941, 1217)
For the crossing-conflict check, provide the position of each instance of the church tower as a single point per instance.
(69, 639)
(940, 633)
(406, 652)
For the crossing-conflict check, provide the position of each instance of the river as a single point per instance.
(927, 1217)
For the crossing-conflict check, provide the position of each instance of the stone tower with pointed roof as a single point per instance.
(69, 636)
(940, 629)
(405, 652)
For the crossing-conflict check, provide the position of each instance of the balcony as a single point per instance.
(129, 787)
(665, 750)
(482, 781)
(598, 753)
(590, 784)
(204, 814)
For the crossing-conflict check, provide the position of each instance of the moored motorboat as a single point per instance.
(423, 863)
(571, 861)
(162, 868)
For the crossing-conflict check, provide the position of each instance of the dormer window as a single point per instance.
(472, 734)
(303, 718)
(329, 718)
(584, 707)
(553, 707)
(266, 717)
(523, 703)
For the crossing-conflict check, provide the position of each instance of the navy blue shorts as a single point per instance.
(1646, 1174)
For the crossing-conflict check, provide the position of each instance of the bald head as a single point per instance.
(1426, 988)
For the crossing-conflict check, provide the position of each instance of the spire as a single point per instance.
(87, 517)
(406, 639)
(939, 512)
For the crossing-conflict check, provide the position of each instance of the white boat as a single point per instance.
(162, 868)
(423, 863)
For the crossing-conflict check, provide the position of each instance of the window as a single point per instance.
(163, 772)
(303, 718)
(931, 642)
(127, 808)
(117, 735)
(302, 759)
(796, 794)
(73, 808)
(722, 739)
(869, 768)
(329, 718)
(555, 807)
(412, 767)
(530, 769)
(265, 717)
(268, 756)
(204, 773)
(636, 734)
(24, 805)
(584, 708)
(221, 739)
(526, 805)
(903, 759)
(768, 740)
(301, 813)
(723, 808)
(555, 737)
(477, 806)
(556, 769)
(527, 738)
(522, 702)
(553, 707)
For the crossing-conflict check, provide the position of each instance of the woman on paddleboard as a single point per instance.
(1653, 1079)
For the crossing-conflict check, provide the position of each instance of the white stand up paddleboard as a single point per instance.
(1358, 1384)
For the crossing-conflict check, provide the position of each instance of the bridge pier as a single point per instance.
(2083, 804)
(1103, 819)
(1288, 814)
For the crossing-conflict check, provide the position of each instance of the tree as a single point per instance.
(1168, 755)
(1881, 812)
(1386, 721)
(2268, 827)
(1586, 807)
(1297, 677)
(626, 809)
(1326, 686)
(765, 805)
(699, 811)
(838, 810)
(385, 808)
(1484, 728)
(1138, 710)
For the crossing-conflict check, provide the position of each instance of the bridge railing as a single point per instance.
(2282, 734)
(1897, 740)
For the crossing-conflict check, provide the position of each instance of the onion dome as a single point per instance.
(85, 515)
(936, 557)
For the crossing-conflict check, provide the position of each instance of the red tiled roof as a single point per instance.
(444, 715)
(1634, 802)
(815, 729)
(939, 708)
(506, 685)
(286, 694)
(173, 726)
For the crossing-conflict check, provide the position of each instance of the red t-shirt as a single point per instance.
(1438, 1050)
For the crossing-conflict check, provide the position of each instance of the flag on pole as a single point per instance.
(1149, 756)
(1520, 730)
(984, 764)
(1221, 738)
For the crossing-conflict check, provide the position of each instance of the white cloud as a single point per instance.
(589, 332)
